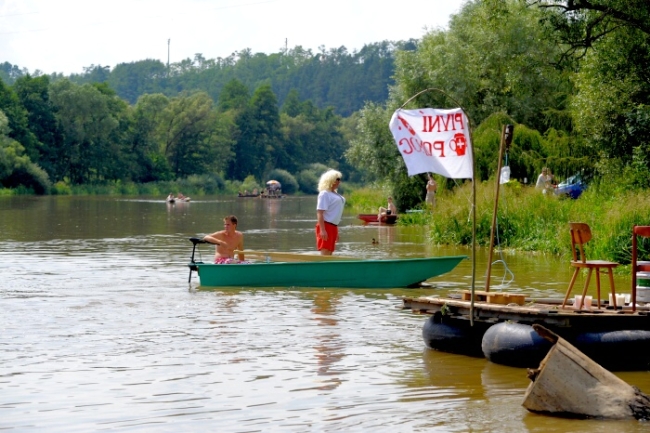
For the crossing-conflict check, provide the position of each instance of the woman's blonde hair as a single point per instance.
(328, 179)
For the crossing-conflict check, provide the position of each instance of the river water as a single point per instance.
(101, 330)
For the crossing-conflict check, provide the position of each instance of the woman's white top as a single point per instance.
(332, 204)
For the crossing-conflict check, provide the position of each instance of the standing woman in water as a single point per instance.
(329, 210)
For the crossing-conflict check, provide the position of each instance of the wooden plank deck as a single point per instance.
(543, 311)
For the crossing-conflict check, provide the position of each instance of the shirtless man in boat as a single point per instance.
(390, 209)
(227, 241)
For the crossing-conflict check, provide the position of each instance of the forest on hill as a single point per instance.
(331, 78)
(572, 78)
(232, 118)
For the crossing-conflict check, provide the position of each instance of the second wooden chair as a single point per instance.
(580, 235)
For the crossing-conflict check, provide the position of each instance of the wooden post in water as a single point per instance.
(506, 139)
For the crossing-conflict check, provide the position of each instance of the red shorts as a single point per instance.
(332, 235)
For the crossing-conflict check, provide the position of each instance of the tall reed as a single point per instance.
(528, 220)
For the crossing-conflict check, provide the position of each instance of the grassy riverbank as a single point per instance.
(192, 186)
(528, 220)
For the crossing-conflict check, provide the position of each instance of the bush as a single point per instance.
(289, 183)
(308, 181)
(409, 192)
(250, 184)
(29, 176)
(308, 177)
(201, 184)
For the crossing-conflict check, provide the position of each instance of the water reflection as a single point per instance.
(329, 346)
(385, 235)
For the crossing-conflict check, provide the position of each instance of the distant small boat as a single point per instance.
(372, 218)
(248, 195)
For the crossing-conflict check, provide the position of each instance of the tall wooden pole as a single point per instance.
(506, 137)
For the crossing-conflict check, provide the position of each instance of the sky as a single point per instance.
(65, 36)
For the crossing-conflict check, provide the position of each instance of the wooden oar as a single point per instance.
(290, 257)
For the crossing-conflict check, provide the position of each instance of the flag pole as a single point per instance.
(473, 284)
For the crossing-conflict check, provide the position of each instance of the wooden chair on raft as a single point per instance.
(580, 235)
(643, 231)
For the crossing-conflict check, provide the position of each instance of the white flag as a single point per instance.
(434, 140)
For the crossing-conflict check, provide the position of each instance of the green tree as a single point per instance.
(325, 143)
(33, 94)
(296, 132)
(247, 160)
(16, 169)
(292, 104)
(90, 121)
(18, 122)
(191, 136)
(267, 148)
(92, 74)
(148, 163)
(235, 96)
(130, 80)
(10, 73)
(373, 150)
(612, 103)
(286, 179)
(583, 23)
(609, 41)
(495, 57)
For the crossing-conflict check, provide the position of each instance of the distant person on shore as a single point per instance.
(226, 241)
(432, 188)
(545, 181)
(390, 209)
(329, 210)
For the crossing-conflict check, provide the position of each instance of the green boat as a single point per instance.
(322, 271)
